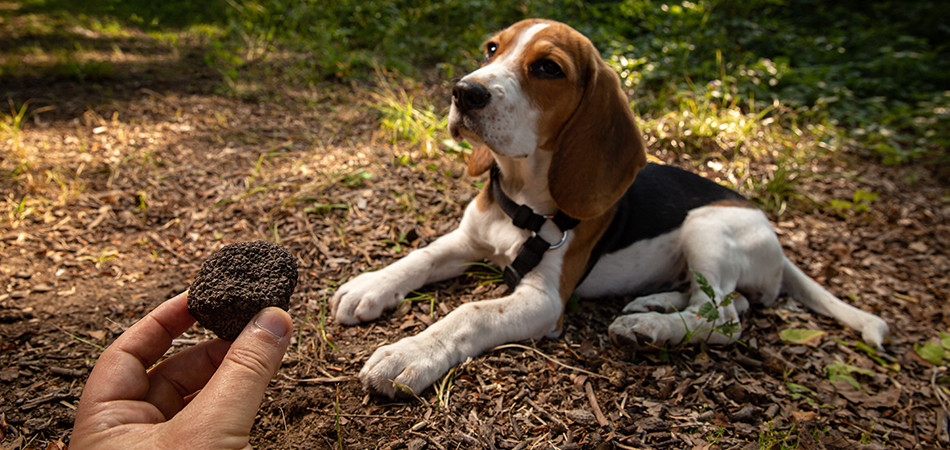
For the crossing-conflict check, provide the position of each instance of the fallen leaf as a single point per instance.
(804, 416)
(98, 335)
(800, 335)
(931, 352)
(886, 399)
(945, 340)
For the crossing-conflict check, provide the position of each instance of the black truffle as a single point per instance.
(238, 281)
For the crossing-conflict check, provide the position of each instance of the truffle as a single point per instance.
(238, 281)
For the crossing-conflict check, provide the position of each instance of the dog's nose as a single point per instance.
(468, 96)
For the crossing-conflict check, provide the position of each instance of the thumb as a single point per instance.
(230, 400)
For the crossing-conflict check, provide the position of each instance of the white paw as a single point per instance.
(639, 330)
(412, 365)
(651, 330)
(663, 302)
(365, 297)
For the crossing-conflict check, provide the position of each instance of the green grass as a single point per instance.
(740, 85)
(722, 76)
(11, 133)
(406, 118)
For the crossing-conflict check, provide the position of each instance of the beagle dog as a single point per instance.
(572, 207)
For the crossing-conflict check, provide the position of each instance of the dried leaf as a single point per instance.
(804, 416)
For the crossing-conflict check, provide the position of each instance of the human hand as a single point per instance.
(205, 396)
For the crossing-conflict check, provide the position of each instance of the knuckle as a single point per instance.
(254, 362)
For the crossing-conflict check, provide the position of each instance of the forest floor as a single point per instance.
(114, 195)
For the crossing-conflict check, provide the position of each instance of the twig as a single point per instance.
(560, 424)
(938, 391)
(549, 358)
(940, 395)
(72, 373)
(598, 414)
(428, 438)
(56, 396)
(320, 380)
(167, 247)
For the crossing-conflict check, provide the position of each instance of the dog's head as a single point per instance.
(544, 87)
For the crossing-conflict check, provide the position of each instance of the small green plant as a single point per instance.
(275, 234)
(143, 202)
(404, 119)
(574, 303)
(772, 436)
(11, 126)
(323, 209)
(882, 359)
(936, 353)
(406, 390)
(840, 371)
(859, 203)
(486, 273)
(321, 326)
(249, 184)
(444, 387)
(103, 257)
(21, 211)
(715, 436)
(397, 243)
(710, 312)
(799, 391)
(780, 185)
(11, 130)
(356, 179)
(423, 297)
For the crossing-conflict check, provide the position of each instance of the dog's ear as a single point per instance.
(480, 160)
(600, 149)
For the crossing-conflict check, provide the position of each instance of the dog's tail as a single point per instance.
(807, 291)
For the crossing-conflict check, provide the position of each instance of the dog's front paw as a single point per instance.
(365, 297)
(406, 367)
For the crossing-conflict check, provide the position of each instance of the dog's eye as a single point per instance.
(546, 69)
(490, 50)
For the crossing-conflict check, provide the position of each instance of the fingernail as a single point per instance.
(273, 321)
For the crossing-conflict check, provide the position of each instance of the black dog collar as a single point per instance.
(522, 216)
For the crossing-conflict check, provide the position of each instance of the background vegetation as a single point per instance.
(875, 75)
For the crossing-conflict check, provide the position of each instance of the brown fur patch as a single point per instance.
(485, 198)
(480, 160)
(586, 236)
(599, 149)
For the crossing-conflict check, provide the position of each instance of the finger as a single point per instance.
(183, 374)
(232, 397)
(120, 372)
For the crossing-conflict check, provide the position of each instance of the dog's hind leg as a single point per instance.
(729, 247)
(665, 302)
